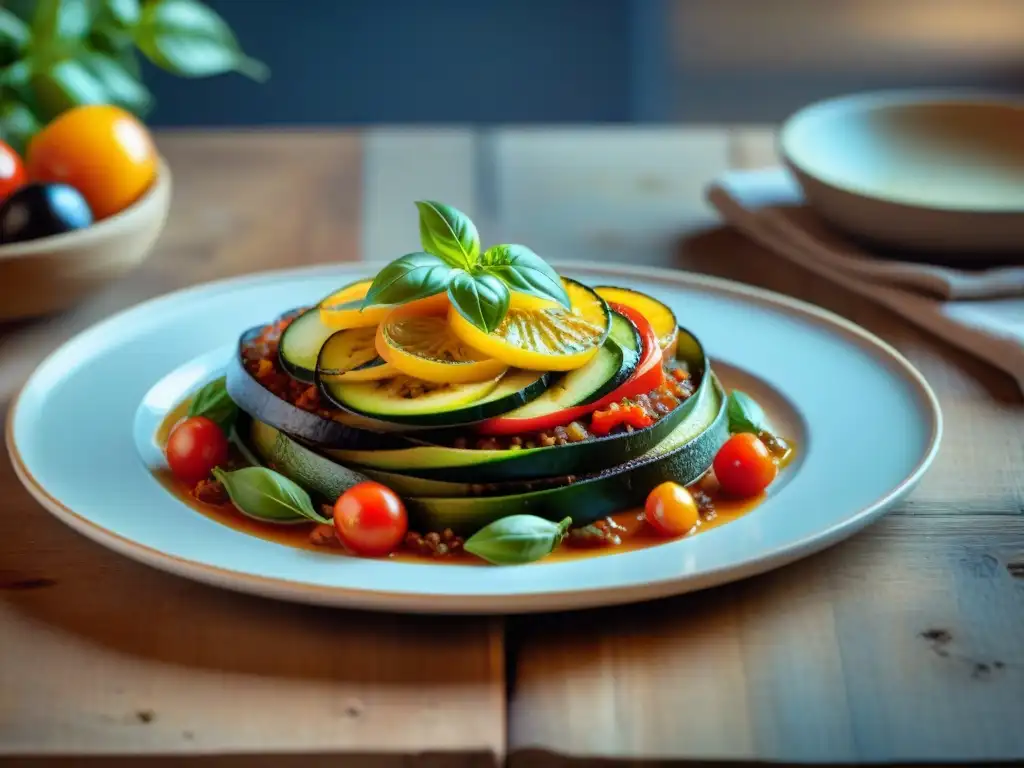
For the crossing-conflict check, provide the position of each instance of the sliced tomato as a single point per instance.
(648, 375)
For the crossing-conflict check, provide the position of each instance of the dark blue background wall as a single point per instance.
(585, 61)
(434, 61)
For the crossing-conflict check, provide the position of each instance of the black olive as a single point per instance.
(41, 210)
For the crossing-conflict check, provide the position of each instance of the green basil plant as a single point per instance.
(58, 54)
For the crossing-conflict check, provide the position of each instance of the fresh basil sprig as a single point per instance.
(744, 414)
(265, 495)
(213, 402)
(479, 284)
(524, 271)
(411, 277)
(481, 298)
(449, 233)
(58, 54)
(517, 539)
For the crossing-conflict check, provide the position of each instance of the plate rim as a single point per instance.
(484, 604)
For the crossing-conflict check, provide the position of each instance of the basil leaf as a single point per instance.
(66, 84)
(118, 45)
(121, 87)
(14, 33)
(482, 299)
(213, 402)
(413, 276)
(523, 270)
(516, 539)
(744, 414)
(17, 125)
(264, 494)
(186, 38)
(448, 232)
(125, 12)
(61, 20)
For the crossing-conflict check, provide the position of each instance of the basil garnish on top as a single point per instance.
(411, 277)
(481, 298)
(213, 402)
(524, 271)
(448, 232)
(478, 285)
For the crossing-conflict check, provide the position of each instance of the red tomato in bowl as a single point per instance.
(195, 446)
(370, 519)
(12, 171)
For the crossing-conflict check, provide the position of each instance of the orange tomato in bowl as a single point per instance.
(102, 151)
(12, 172)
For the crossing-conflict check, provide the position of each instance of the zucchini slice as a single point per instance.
(341, 430)
(316, 472)
(443, 462)
(412, 402)
(351, 355)
(300, 345)
(625, 334)
(302, 339)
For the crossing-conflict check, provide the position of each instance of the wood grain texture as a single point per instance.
(102, 656)
(900, 644)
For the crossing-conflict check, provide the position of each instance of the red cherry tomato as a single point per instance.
(195, 446)
(370, 519)
(12, 171)
(743, 466)
(671, 510)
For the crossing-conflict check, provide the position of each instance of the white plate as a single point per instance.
(866, 423)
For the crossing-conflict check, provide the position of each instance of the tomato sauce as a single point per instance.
(630, 528)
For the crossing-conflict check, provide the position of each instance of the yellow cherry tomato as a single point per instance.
(671, 510)
(102, 151)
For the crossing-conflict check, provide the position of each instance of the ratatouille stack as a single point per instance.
(484, 393)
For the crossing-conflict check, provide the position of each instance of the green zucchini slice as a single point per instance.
(408, 401)
(300, 345)
(340, 429)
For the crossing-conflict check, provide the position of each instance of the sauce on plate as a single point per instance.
(629, 527)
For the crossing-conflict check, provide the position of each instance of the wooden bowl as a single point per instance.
(926, 171)
(40, 277)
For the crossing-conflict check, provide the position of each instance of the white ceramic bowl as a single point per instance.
(47, 275)
(928, 171)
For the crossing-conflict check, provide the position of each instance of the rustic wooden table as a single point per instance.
(905, 643)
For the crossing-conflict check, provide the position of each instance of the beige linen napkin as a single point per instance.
(981, 311)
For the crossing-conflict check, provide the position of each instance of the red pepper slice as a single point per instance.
(646, 376)
(605, 420)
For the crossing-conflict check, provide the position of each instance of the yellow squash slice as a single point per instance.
(541, 335)
(661, 318)
(341, 309)
(418, 340)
